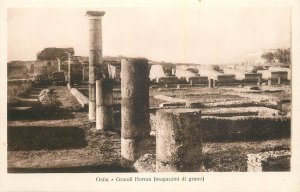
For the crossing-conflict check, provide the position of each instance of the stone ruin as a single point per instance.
(269, 161)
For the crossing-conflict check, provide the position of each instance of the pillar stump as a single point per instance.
(178, 141)
(95, 57)
(104, 104)
(135, 116)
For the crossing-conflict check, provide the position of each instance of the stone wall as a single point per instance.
(17, 87)
(269, 74)
(252, 77)
(244, 128)
(222, 78)
(238, 128)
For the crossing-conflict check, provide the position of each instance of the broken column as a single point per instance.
(210, 83)
(135, 107)
(95, 57)
(178, 141)
(104, 104)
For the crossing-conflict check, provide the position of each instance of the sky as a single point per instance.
(200, 33)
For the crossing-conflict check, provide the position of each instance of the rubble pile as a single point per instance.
(47, 98)
(255, 161)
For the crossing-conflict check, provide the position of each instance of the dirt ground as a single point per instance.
(63, 140)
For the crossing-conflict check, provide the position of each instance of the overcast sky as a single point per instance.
(200, 33)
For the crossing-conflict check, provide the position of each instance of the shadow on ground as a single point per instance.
(39, 112)
(37, 138)
(114, 168)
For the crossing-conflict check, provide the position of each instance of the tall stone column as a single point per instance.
(279, 80)
(58, 64)
(178, 140)
(104, 104)
(135, 107)
(69, 71)
(95, 57)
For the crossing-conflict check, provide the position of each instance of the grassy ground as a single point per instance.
(65, 141)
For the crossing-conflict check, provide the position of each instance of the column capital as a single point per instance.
(95, 13)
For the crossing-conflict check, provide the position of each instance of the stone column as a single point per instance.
(69, 71)
(178, 141)
(104, 104)
(269, 82)
(210, 83)
(95, 57)
(215, 82)
(279, 80)
(58, 64)
(259, 81)
(135, 124)
(191, 82)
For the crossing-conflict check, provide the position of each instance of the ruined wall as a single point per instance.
(76, 72)
(282, 74)
(269, 74)
(238, 128)
(239, 74)
(17, 87)
(167, 80)
(288, 70)
(225, 78)
(23, 69)
(197, 80)
(17, 71)
(156, 71)
(243, 128)
(252, 77)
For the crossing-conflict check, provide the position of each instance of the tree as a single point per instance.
(269, 57)
(283, 55)
(53, 53)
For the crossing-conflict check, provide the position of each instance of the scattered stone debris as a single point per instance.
(145, 163)
(255, 88)
(269, 161)
(47, 98)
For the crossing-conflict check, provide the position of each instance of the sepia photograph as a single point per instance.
(131, 92)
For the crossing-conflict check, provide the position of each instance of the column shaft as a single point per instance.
(135, 107)
(104, 104)
(95, 58)
(210, 83)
